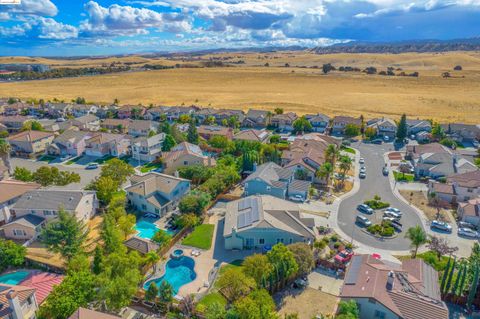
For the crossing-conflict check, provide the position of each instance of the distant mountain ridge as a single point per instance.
(421, 46)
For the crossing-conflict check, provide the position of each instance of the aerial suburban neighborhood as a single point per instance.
(380, 212)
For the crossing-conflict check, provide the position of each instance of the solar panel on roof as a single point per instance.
(352, 274)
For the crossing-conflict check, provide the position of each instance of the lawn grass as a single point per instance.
(201, 237)
(430, 258)
(236, 264)
(348, 149)
(210, 299)
(401, 177)
(46, 158)
(73, 160)
(149, 167)
(104, 159)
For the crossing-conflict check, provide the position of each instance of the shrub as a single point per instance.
(334, 238)
(376, 203)
(336, 245)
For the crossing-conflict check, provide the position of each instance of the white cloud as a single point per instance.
(30, 7)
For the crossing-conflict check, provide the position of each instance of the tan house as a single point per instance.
(254, 135)
(185, 154)
(18, 302)
(207, 131)
(284, 122)
(142, 128)
(29, 143)
(457, 188)
(84, 313)
(10, 192)
(14, 123)
(103, 144)
(388, 290)
(88, 122)
(470, 211)
(116, 125)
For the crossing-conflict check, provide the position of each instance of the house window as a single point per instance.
(291, 240)
(470, 190)
(185, 162)
(144, 207)
(157, 211)
(261, 241)
(269, 188)
(379, 314)
(279, 240)
(19, 232)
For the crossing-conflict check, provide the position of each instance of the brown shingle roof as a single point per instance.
(152, 182)
(469, 179)
(30, 136)
(83, 313)
(10, 189)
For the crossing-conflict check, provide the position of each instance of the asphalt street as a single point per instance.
(375, 184)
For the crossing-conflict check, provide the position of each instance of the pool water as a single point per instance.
(178, 272)
(14, 278)
(146, 228)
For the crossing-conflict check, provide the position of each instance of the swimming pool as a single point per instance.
(178, 272)
(14, 278)
(146, 228)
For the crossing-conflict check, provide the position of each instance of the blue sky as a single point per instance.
(96, 27)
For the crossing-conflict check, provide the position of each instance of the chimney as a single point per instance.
(14, 304)
(255, 166)
(390, 280)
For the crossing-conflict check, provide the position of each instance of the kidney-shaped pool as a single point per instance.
(178, 272)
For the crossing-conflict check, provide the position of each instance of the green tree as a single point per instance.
(215, 310)
(151, 259)
(5, 150)
(302, 125)
(65, 235)
(125, 224)
(194, 202)
(258, 267)
(168, 143)
(324, 172)
(210, 120)
(402, 128)
(111, 235)
(80, 100)
(370, 132)
(184, 118)
(187, 220)
(417, 237)
(275, 139)
(117, 170)
(11, 254)
(233, 122)
(283, 262)
(166, 292)
(192, 134)
(348, 310)
(345, 165)
(437, 131)
(278, 110)
(219, 141)
(473, 289)
(331, 154)
(257, 305)
(303, 255)
(162, 238)
(352, 130)
(22, 174)
(152, 292)
(97, 260)
(32, 125)
(234, 284)
(106, 188)
(448, 284)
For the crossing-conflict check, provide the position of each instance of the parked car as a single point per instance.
(365, 209)
(467, 232)
(362, 175)
(361, 160)
(443, 226)
(385, 171)
(300, 283)
(394, 222)
(60, 119)
(363, 169)
(92, 166)
(386, 138)
(296, 198)
(377, 141)
(395, 210)
(344, 256)
(466, 225)
(392, 214)
(364, 221)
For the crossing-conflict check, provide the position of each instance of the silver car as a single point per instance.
(467, 232)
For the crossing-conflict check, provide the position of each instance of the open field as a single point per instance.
(298, 89)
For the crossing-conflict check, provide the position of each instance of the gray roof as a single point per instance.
(265, 211)
(150, 141)
(152, 182)
(71, 136)
(270, 173)
(141, 245)
(28, 220)
(299, 186)
(85, 119)
(50, 200)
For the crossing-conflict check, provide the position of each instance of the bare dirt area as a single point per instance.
(299, 88)
(307, 303)
(420, 200)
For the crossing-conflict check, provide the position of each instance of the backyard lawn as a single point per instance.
(210, 299)
(46, 158)
(201, 237)
(401, 177)
(149, 167)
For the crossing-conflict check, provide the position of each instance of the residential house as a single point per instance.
(224, 115)
(423, 137)
(131, 111)
(156, 193)
(469, 211)
(462, 133)
(14, 123)
(17, 108)
(147, 149)
(263, 221)
(416, 126)
(116, 125)
(437, 165)
(339, 123)
(138, 128)
(384, 127)
(59, 110)
(413, 152)
(88, 122)
(319, 122)
(141, 245)
(204, 113)
(55, 126)
(69, 143)
(18, 302)
(34, 208)
(272, 179)
(30, 143)
(257, 118)
(306, 154)
(390, 290)
(42, 282)
(173, 113)
(185, 154)
(207, 131)
(284, 122)
(109, 111)
(84, 313)
(457, 188)
(103, 144)
(79, 110)
(253, 135)
(154, 113)
(10, 192)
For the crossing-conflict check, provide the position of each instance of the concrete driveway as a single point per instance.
(375, 184)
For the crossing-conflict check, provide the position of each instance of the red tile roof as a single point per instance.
(43, 282)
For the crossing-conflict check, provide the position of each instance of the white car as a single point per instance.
(395, 210)
(362, 160)
(467, 232)
(363, 169)
(296, 198)
(443, 226)
(392, 214)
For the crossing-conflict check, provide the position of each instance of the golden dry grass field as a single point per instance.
(298, 89)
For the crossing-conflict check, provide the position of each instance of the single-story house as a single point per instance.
(156, 193)
(29, 143)
(263, 221)
(254, 135)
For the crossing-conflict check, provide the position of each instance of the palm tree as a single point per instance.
(151, 259)
(324, 172)
(345, 165)
(417, 238)
(331, 154)
(5, 155)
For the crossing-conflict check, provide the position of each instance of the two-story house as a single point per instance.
(185, 154)
(59, 110)
(10, 192)
(416, 126)
(153, 113)
(462, 133)
(223, 115)
(272, 179)
(173, 113)
(88, 122)
(18, 302)
(70, 143)
(208, 131)
(339, 123)
(17, 108)
(156, 193)
(469, 211)
(319, 122)
(257, 119)
(34, 208)
(147, 149)
(457, 188)
(14, 123)
(205, 113)
(284, 122)
(103, 144)
(253, 135)
(116, 125)
(30, 143)
(437, 165)
(107, 111)
(131, 112)
(138, 128)
(384, 127)
(79, 110)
